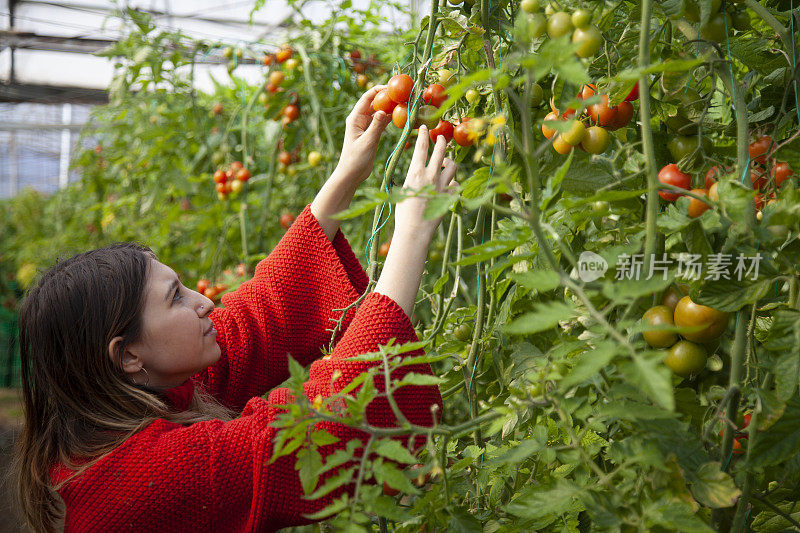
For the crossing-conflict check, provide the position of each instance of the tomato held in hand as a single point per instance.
(399, 88)
(383, 102)
(686, 359)
(671, 175)
(712, 323)
(400, 115)
(443, 128)
(660, 315)
(434, 95)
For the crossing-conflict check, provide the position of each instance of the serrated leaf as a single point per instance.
(545, 316)
(652, 378)
(391, 475)
(414, 378)
(781, 441)
(323, 438)
(537, 501)
(589, 364)
(392, 449)
(538, 280)
(731, 295)
(787, 370)
(714, 488)
(308, 466)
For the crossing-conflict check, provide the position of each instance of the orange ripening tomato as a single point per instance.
(463, 134)
(698, 207)
(383, 250)
(587, 91)
(547, 131)
(283, 54)
(382, 102)
(202, 285)
(286, 220)
(285, 158)
(399, 88)
(400, 115)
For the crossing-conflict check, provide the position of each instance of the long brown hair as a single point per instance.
(79, 404)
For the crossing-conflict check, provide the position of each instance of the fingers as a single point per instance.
(379, 122)
(364, 104)
(447, 175)
(420, 150)
(435, 164)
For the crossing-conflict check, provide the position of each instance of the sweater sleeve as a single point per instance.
(240, 451)
(283, 310)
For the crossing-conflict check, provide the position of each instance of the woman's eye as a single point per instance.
(177, 295)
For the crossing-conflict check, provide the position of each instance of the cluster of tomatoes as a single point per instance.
(232, 180)
(589, 133)
(214, 290)
(686, 357)
(719, 22)
(764, 182)
(360, 66)
(584, 35)
(394, 101)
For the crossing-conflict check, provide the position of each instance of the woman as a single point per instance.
(143, 408)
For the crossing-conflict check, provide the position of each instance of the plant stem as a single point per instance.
(771, 21)
(739, 523)
(318, 116)
(735, 381)
(647, 138)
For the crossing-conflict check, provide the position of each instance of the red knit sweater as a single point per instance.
(217, 476)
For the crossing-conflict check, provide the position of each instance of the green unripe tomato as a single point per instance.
(660, 315)
(227, 52)
(472, 96)
(741, 20)
(559, 24)
(581, 18)
(529, 6)
(686, 359)
(537, 25)
(463, 332)
(588, 39)
(239, 53)
(426, 115)
(537, 95)
(716, 28)
(600, 208)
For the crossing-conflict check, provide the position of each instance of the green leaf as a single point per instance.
(787, 370)
(784, 334)
(651, 377)
(731, 295)
(538, 280)
(388, 473)
(589, 364)
(308, 466)
(675, 516)
(338, 505)
(712, 487)
(323, 438)
(546, 316)
(419, 379)
(392, 449)
(781, 441)
(463, 521)
(631, 289)
(538, 501)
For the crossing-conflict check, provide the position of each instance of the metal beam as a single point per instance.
(50, 94)
(25, 126)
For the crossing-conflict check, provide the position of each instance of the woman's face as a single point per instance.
(178, 339)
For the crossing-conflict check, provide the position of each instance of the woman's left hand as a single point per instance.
(362, 133)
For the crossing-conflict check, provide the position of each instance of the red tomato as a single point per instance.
(587, 91)
(463, 134)
(285, 158)
(758, 149)
(443, 128)
(276, 77)
(202, 285)
(781, 172)
(601, 114)
(714, 172)
(291, 112)
(672, 175)
(236, 165)
(283, 54)
(634, 94)
(383, 102)
(400, 115)
(758, 178)
(243, 175)
(399, 88)
(220, 177)
(286, 220)
(623, 114)
(434, 95)
(355, 54)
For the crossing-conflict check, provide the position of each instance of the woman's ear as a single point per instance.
(130, 362)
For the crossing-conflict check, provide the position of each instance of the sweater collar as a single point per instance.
(181, 396)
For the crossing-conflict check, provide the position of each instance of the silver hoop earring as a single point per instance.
(147, 381)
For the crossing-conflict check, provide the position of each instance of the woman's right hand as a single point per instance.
(439, 172)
